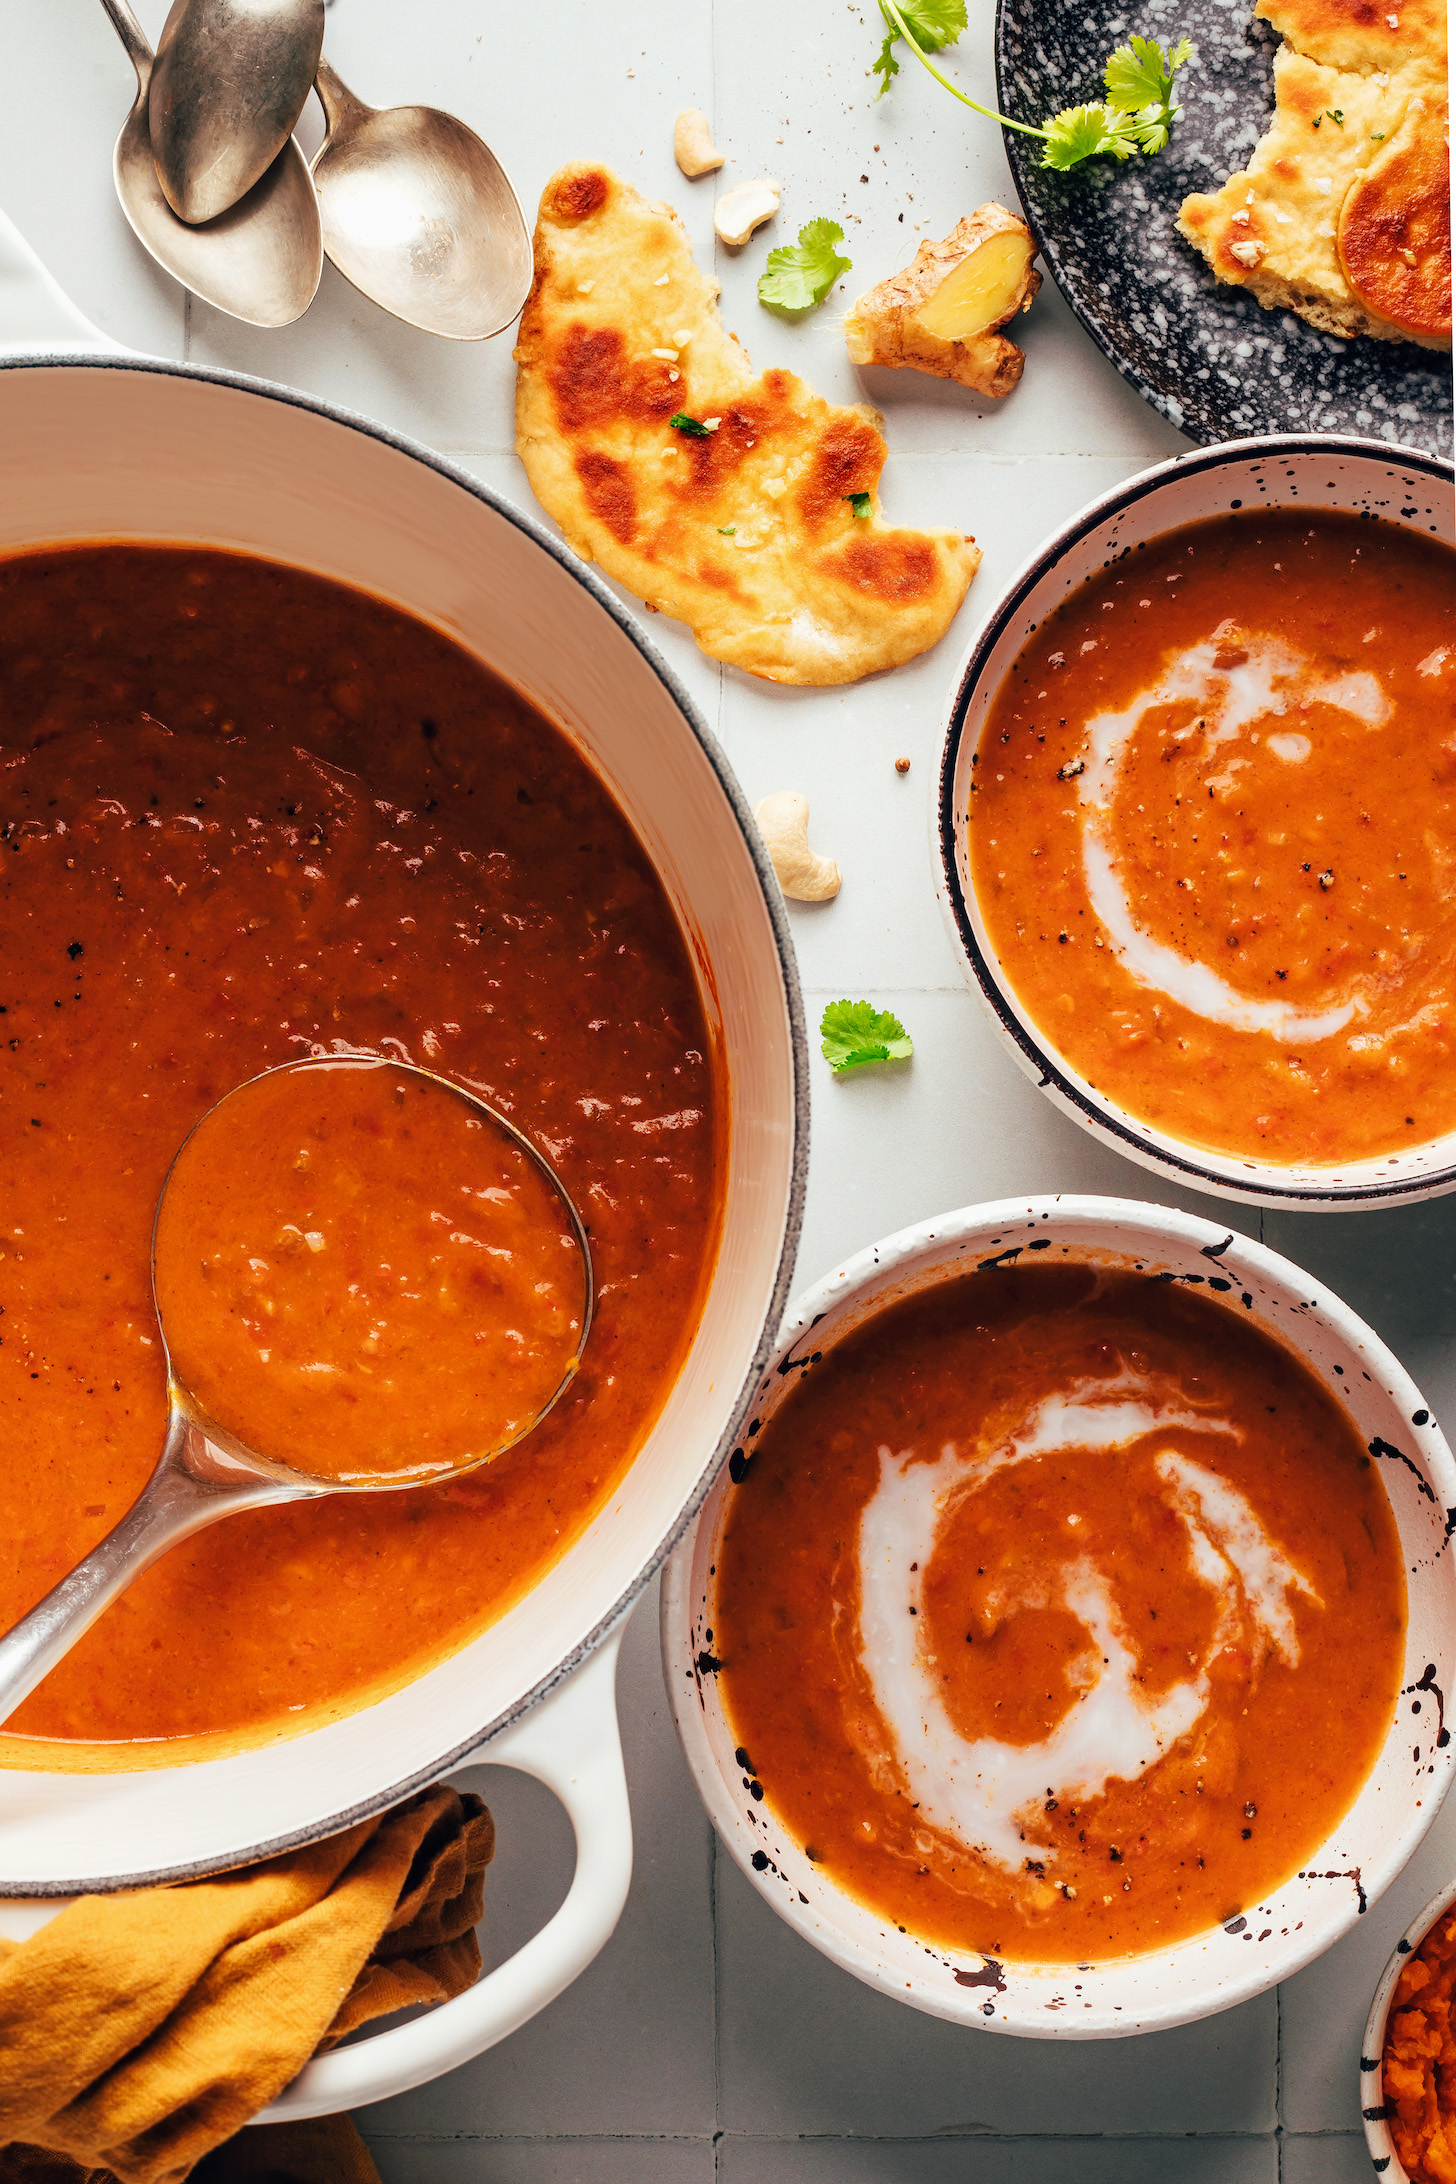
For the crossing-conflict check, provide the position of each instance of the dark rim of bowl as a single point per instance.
(1263, 1184)
(468, 1746)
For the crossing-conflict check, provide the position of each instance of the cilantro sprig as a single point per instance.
(1135, 116)
(801, 274)
(855, 1032)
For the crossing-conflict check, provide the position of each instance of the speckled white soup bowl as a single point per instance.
(1357, 477)
(1405, 1788)
(1387, 2162)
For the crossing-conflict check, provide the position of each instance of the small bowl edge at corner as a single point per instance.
(1384, 2158)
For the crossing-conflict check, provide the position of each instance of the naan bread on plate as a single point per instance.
(749, 530)
(1343, 212)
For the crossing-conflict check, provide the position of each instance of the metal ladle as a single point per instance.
(229, 82)
(420, 215)
(205, 1472)
(259, 262)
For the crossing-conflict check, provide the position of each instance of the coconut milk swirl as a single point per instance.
(975, 1791)
(1235, 682)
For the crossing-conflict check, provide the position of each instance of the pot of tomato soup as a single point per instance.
(1065, 1651)
(1196, 813)
(314, 747)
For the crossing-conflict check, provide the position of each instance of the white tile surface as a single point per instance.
(557, 2161)
(1001, 2161)
(807, 2049)
(1334, 2160)
(707, 2038)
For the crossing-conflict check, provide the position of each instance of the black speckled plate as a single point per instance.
(1205, 354)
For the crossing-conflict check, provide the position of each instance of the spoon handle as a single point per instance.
(132, 36)
(335, 97)
(194, 1484)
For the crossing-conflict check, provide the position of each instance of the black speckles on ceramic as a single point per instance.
(1257, 1944)
(1207, 355)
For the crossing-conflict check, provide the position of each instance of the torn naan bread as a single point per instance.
(747, 530)
(1343, 212)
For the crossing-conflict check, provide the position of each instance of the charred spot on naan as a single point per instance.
(577, 192)
(848, 458)
(595, 382)
(1394, 235)
(892, 567)
(610, 494)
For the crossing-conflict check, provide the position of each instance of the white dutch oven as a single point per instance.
(1394, 1809)
(106, 445)
(1364, 478)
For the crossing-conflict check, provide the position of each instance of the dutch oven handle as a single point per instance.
(35, 311)
(570, 1741)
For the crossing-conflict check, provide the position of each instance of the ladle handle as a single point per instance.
(180, 1497)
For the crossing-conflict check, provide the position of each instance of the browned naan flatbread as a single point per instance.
(748, 532)
(1343, 212)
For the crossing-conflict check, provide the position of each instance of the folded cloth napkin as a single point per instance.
(326, 2151)
(140, 2031)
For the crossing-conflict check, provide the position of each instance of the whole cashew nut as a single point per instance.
(783, 821)
(745, 208)
(692, 143)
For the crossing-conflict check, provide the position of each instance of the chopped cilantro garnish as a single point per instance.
(727, 530)
(1137, 114)
(801, 274)
(852, 1032)
(859, 505)
(690, 425)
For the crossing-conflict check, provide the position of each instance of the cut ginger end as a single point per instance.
(982, 292)
(943, 314)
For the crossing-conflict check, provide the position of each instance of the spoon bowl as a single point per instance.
(207, 1469)
(228, 85)
(261, 261)
(420, 215)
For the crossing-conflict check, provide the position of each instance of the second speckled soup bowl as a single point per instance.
(1399, 1799)
(1355, 477)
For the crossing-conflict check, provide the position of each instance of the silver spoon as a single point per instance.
(261, 261)
(420, 215)
(230, 81)
(204, 1472)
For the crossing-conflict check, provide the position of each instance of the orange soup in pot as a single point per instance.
(247, 816)
(1213, 834)
(1060, 1613)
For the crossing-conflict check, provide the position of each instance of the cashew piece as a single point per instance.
(745, 208)
(783, 821)
(692, 143)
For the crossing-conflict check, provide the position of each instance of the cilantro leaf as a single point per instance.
(692, 426)
(801, 274)
(852, 1032)
(931, 23)
(1141, 74)
(1137, 115)
(1085, 132)
(859, 505)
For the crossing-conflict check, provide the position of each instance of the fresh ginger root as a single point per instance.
(942, 313)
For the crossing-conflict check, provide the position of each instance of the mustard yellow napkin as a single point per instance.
(326, 2151)
(138, 2032)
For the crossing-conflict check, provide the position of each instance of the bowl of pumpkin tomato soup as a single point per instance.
(1197, 819)
(1045, 1653)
